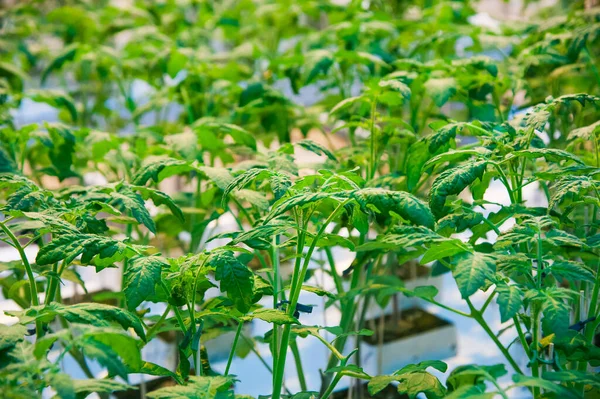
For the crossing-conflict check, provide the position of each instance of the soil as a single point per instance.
(412, 321)
(389, 392)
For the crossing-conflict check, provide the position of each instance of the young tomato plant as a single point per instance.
(181, 176)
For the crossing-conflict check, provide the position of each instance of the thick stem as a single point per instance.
(332, 386)
(297, 279)
(480, 320)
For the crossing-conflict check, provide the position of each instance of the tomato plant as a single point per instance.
(226, 158)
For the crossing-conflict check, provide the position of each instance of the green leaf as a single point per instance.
(402, 203)
(403, 237)
(526, 381)
(196, 388)
(379, 382)
(159, 198)
(55, 98)
(456, 155)
(415, 383)
(219, 176)
(569, 185)
(274, 316)
(572, 271)
(453, 181)
(318, 291)
(94, 314)
(67, 54)
(134, 203)
(471, 272)
(140, 278)
(11, 335)
(422, 366)
(440, 89)
(83, 388)
(346, 103)
(510, 300)
(158, 169)
(586, 132)
(102, 250)
(297, 200)
(396, 85)
(443, 135)
(350, 370)
(235, 278)
(417, 156)
(549, 154)
(62, 385)
(574, 376)
(316, 148)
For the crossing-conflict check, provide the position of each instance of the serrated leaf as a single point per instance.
(140, 278)
(471, 272)
(274, 316)
(67, 54)
(196, 388)
(402, 203)
(160, 198)
(549, 154)
(102, 250)
(157, 169)
(94, 314)
(234, 277)
(297, 200)
(316, 148)
(55, 98)
(526, 381)
(453, 181)
(84, 388)
(586, 132)
(510, 300)
(134, 203)
(11, 335)
(572, 271)
(345, 103)
(396, 85)
(440, 89)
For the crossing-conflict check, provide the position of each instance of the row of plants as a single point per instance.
(434, 112)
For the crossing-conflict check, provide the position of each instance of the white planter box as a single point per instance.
(436, 342)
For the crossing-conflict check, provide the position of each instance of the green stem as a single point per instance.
(152, 330)
(297, 279)
(332, 386)
(535, 371)
(275, 263)
(373, 139)
(234, 345)
(52, 283)
(487, 302)
(480, 320)
(522, 336)
(195, 240)
(32, 285)
(504, 180)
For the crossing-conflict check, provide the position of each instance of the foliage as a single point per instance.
(314, 127)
